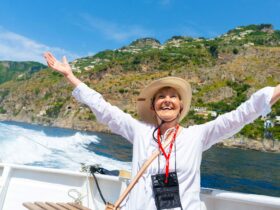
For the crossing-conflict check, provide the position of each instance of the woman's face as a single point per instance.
(167, 104)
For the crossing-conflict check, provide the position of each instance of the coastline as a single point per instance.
(251, 144)
(240, 142)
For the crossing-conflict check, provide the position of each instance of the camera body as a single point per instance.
(166, 195)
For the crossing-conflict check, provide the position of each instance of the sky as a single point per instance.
(78, 28)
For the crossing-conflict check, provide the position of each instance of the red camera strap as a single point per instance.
(167, 156)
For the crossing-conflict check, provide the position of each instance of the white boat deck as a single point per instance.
(20, 184)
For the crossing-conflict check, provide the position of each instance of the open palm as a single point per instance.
(61, 67)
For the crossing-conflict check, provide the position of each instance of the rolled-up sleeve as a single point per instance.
(232, 122)
(119, 122)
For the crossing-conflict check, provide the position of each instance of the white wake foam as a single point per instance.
(26, 146)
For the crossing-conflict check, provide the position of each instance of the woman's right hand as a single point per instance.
(61, 67)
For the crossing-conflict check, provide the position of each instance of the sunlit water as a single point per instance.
(229, 169)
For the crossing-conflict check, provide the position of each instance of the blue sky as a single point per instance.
(78, 28)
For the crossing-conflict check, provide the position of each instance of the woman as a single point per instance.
(161, 106)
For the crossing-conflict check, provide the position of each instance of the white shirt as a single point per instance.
(190, 143)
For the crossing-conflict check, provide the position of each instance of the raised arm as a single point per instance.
(232, 122)
(62, 67)
(119, 122)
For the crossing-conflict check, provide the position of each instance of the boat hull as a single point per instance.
(19, 184)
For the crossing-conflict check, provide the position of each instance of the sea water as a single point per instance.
(35, 145)
(222, 168)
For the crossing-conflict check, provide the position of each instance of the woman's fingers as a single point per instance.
(52, 57)
(49, 57)
(51, 60)
(50, 64)
(53, 63)
(48, 54)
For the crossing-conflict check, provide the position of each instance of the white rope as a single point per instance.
(79, 197)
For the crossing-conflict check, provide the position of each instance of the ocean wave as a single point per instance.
(56, 148)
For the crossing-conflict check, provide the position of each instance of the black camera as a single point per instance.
(166, 194)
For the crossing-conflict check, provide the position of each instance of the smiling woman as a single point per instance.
(173, 91)
(167, 104)
(173, 181)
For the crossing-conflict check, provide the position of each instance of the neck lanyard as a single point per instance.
(167, 156)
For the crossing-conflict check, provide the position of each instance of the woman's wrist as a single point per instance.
(73, 79)
(68, 74)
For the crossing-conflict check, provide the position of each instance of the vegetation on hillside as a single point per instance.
(224, 72)
(18, 70)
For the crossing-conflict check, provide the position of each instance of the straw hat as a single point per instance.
(144, 100)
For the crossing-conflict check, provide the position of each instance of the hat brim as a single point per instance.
(144, 100)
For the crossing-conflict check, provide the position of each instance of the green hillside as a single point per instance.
(18, 70)
(223, 71)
